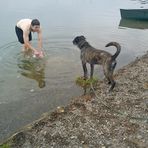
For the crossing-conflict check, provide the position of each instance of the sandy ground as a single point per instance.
(98, 119)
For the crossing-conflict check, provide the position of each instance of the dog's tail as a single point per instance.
(117, 45)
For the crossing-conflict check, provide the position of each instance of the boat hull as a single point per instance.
(138, 14)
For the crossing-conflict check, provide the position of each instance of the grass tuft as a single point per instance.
(85, 83)
(5, 146)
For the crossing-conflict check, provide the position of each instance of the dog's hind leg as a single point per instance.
(113, 83)
(113, 65)
(108, 72)
(111, 70)
(91, 70)
(110, 76)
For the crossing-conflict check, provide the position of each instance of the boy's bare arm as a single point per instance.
(40, 40)
(26, 41)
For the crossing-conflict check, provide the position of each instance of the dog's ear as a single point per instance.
(82, 37)
(76, 40)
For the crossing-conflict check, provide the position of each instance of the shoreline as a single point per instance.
(100, 119)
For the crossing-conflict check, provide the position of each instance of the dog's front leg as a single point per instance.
(85, 70)
(91, 70)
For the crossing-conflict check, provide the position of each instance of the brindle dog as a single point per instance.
(94, 56)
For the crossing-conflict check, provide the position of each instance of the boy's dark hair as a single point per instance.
(35, 22)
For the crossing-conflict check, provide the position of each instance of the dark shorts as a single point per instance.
(19, 33)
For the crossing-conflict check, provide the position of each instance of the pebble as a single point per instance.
(31, 90)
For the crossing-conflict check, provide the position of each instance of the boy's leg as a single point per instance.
(19, 33)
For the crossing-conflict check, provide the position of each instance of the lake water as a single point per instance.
(29, 88)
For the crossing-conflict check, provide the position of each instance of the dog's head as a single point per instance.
(78, 40)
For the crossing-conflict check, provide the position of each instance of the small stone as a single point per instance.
(34, 56)
(73, 137)
(82, 142)
(60, 109)
(31, 90)
(45, 132)
(18, 76)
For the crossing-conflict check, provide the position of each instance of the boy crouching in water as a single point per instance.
(23, 29)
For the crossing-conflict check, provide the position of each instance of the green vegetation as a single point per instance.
(5, 146)
(85, 83)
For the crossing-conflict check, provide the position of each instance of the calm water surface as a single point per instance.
(30, 87)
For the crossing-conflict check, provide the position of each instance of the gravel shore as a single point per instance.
(98, 119)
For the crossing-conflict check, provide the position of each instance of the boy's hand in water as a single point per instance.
(39, 54)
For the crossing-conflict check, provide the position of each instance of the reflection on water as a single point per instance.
(137, 24)
(141, 4)
(143, 1)
(32, 68)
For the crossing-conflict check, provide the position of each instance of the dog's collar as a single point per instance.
(82, 44)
